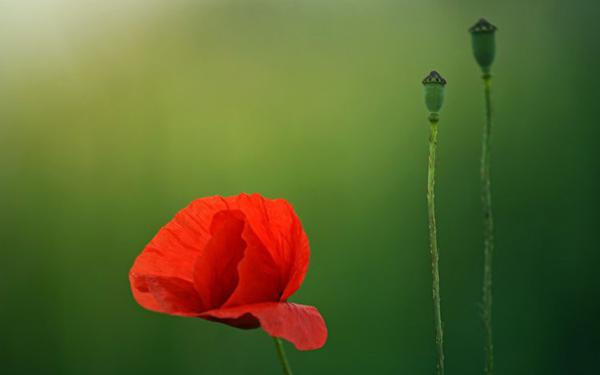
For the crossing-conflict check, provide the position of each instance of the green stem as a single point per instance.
(285, 365)
(437, 314)
(488, 226)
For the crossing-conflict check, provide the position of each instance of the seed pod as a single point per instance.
(434, 91)
(484, 43)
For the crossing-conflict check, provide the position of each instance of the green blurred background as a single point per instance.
(115, 115)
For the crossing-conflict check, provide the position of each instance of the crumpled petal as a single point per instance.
(216, 267)
(168, 295)
(166, 265)
(260, 277)
(181, 240)
(302, 325)
(278, 228)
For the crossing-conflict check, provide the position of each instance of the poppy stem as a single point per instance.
(437, 314)
(488, 226)
(285, 365)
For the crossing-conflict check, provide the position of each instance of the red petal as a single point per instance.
(278, 228)
(216, 268)
(302, 325)
(166, 295)
(181, 240)
(260, 278)
(300, 259)
(170, 256)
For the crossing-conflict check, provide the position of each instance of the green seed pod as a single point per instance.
(484, 43)
(434, 91)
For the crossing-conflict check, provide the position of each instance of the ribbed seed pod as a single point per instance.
(484, 43)
(434, 91)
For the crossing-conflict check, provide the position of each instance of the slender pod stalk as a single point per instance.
(434, 95)
(488, 232)
(435, 268)
(285, 365)
(484, 49)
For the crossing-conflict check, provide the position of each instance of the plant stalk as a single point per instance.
(488, 227)
(285, 365)
(437, 314)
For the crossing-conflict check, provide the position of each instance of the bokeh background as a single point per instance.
(116, 114)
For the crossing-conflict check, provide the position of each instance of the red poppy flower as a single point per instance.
(234, 260)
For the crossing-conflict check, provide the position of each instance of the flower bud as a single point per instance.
(434, 91)
(484, 43)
